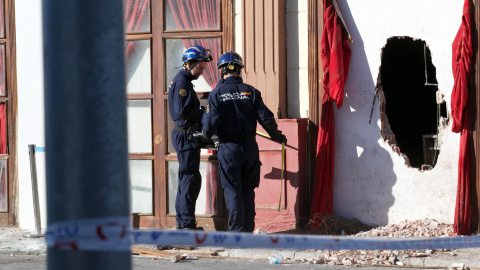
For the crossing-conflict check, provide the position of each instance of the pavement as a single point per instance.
(17, 241)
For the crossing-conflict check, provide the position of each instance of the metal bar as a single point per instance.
(266, 136)
(425, 62)
(339, 14)
(33, 172)
(85, 126)
(282, 174)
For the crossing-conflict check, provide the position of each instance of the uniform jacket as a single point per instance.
(233, 110)
(183, 102)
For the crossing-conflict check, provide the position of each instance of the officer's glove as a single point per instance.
(272, 130)
(205, 135)
(192, 129)
(215, 140)
(283, 139)
(279, 137)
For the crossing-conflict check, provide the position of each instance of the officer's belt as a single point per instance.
(237, 139)
(179, 129)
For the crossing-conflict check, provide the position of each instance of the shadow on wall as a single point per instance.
(364, 174)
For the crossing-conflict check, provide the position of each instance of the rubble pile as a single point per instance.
(418, 228)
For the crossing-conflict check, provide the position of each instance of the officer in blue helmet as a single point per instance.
(186, 113)
(232, 112)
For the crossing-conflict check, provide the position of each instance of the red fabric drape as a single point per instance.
(461, 58)
(3, 115)
(202, 14)
(199, 14)
(134, 15)
(3, 129)
(2, 70)
(3, 150)
(335, 53)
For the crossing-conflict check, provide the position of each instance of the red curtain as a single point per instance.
(3, 114)
(199, 14)
(202, 14)
(2, 70)
(335, 53)
(134, 15)
(461, 57)
(3, 150)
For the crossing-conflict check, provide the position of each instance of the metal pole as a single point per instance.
(36, 205)
(85, 122)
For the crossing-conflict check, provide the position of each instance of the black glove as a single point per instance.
(278, 137)
(283, 139)
(215, 140)
(205, 135)
(192, 129)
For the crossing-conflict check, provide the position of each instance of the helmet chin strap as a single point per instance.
(192, 65)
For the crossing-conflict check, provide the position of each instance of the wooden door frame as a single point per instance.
(9, 218)
(315, 88)
(475, 121)
(160, 217)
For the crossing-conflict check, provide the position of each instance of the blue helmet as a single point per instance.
(197, 53)
(230, 57)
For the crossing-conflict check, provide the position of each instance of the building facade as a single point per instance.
(396, 158)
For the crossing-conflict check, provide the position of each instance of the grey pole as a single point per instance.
(36, 204)
(85, 122)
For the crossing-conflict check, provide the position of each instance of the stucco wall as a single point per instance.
(30, 107)
(371, 182)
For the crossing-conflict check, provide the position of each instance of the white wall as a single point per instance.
(296, 22)
(371, 182)
(237, 24)
(30, 106)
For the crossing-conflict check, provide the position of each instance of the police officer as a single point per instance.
(232, 111)
(184, 108)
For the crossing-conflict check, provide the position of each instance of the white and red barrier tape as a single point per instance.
(114, 234)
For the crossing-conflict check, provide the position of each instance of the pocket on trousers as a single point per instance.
(257, 174)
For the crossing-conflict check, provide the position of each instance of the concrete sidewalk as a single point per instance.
(14, 241)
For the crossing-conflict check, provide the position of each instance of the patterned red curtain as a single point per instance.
(3, 122)
(202, 14)
(2, 70)
(134, 15)
(3, 115)
(3, 150)
(199, 14)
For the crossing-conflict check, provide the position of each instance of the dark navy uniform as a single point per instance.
(184, 108)
(233, 110)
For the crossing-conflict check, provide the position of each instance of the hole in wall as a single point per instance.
(412, 113)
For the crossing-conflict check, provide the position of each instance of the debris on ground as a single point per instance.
(418, 228)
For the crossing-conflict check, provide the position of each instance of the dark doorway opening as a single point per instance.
(408, 80)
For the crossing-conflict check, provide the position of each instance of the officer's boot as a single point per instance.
(192, 226)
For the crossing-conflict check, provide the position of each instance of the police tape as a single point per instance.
(95, 234)
(113, 234)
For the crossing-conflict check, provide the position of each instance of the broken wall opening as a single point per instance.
(407, 89)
